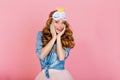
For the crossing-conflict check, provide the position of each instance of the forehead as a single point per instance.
(60, 20)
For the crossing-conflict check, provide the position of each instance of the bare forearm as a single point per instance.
(45, 50)
(60, 50)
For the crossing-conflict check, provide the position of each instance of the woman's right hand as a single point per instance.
(52, 30)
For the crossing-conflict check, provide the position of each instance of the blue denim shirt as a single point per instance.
(50, 61)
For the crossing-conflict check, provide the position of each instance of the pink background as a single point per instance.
(96, 27)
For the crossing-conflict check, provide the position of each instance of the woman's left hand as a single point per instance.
(62, 32)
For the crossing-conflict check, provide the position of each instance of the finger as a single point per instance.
(64, 29)
(51, 27)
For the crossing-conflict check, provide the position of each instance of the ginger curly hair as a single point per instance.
(67, 39)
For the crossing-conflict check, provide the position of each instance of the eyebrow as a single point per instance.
(59, 20)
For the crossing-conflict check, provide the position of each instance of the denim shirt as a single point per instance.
(51, 61)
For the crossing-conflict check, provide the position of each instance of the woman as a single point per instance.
(53, 45)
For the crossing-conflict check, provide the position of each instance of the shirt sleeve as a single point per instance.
(38, 44)
(67, 50)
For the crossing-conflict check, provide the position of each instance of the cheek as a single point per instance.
(63, 26)
(55, 27)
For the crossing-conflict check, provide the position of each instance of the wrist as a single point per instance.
(58, 37)
(54, 37)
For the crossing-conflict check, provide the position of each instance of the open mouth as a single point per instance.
(59, 29)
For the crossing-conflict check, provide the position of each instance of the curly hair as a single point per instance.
(67, 39)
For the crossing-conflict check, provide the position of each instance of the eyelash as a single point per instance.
(63, 22)
(57, 22)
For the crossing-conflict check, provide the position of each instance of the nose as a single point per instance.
(60, 25)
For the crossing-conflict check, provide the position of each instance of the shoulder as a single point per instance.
(39, 35)
(66, 48)
(39, 32)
